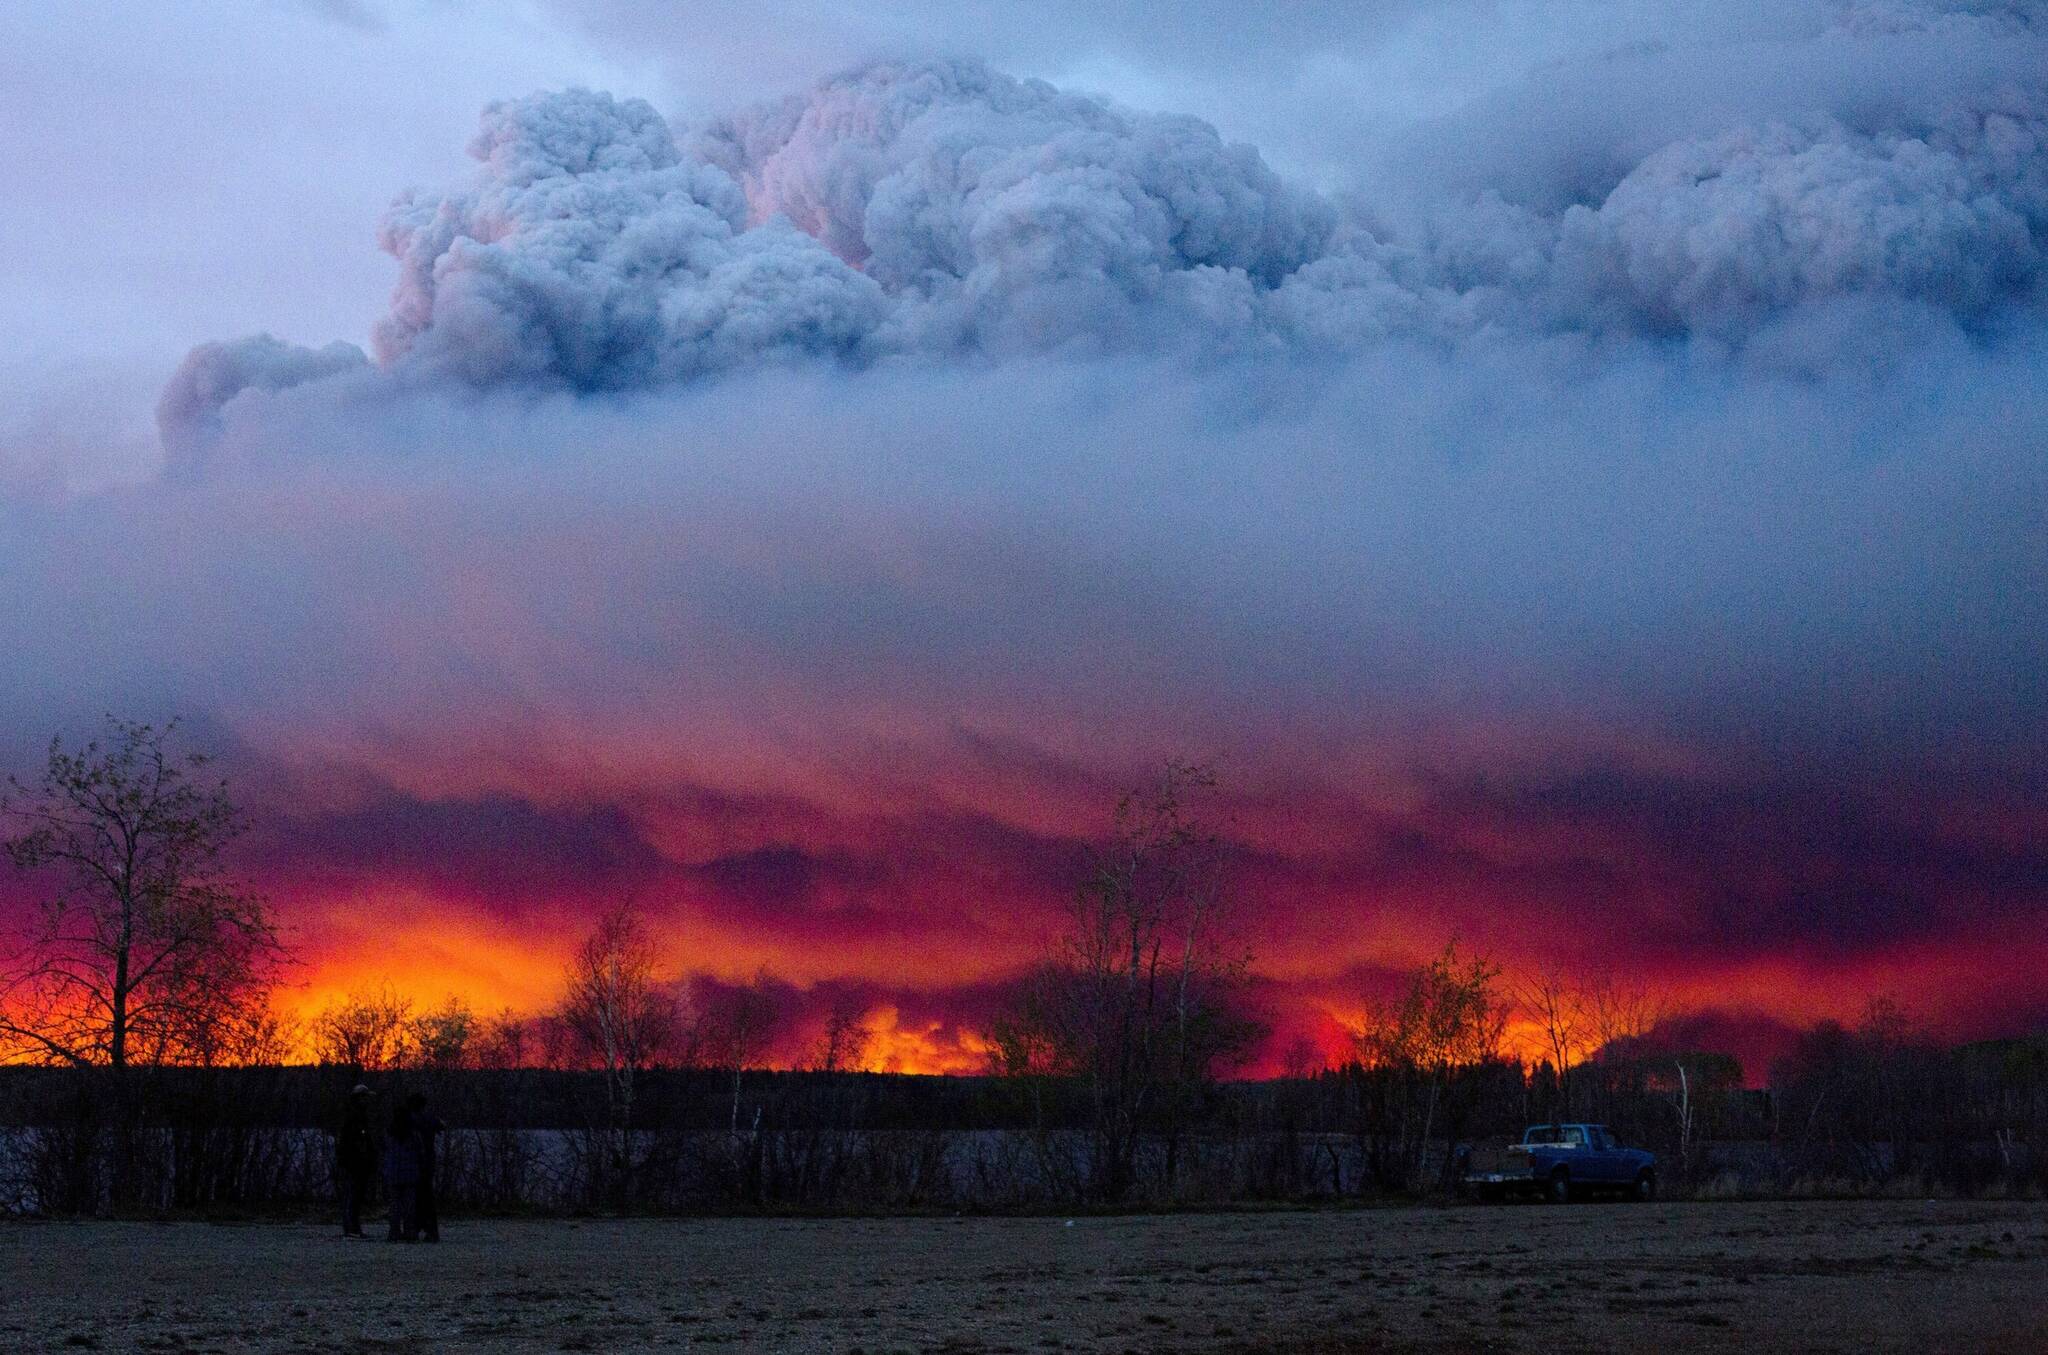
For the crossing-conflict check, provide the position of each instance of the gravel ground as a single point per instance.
(1847, 1277)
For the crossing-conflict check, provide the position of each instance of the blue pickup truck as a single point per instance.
(1558, 1161)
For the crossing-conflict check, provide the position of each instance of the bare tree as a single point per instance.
(368, 1028)
(1890, 1038)
(146, 950)
(1143, 1000)
(1621, 1017)
(1302, 1059)
(1557, 1005)
(1029, 1043)
(844, 1044)
(1450, 1018)
(1685, 1110)
(503, 1041)
(735, 1026)
(620, 1018)
(442, 1036)
(379, 1029)
(254, 1034)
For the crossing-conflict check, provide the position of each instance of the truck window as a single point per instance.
(1571, 1135)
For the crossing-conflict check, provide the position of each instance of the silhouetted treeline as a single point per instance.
(139, 1054)
(1849, 1110)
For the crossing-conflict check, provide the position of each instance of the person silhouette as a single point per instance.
(426, 1208)
(355, 1158)
(402, 1174)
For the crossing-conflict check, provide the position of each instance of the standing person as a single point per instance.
(428, 1126)
(402, 1173)
(355, 1157)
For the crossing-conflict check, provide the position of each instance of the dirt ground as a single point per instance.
(1861, 1277)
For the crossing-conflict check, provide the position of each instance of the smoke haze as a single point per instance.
(1611, 489)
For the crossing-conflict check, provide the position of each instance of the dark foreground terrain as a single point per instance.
(1856, 1277)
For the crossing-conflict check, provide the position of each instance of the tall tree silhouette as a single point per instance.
(145, 949)
(1143, 999)
(621, 1019)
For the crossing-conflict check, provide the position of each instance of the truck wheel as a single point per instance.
(1559, 1190)
(1646, 1186)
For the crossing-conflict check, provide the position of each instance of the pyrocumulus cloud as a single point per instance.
(946, 210)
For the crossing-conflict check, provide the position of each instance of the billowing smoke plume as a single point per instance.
(1712, 235)
(1004, 214)
(590, 253)
(941, 209)
(189, 412)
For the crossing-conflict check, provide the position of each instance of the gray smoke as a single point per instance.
(942, 210)
(590, 253)
(1005, 214)
(189, 413)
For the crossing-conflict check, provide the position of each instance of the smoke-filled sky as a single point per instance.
(1580, 471)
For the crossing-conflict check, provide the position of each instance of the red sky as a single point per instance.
(916, 888)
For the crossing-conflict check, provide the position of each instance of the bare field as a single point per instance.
(1847, 1277)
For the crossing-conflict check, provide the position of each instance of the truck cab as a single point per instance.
(1558, 1161)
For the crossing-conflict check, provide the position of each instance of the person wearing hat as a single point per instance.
(355, 1158)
